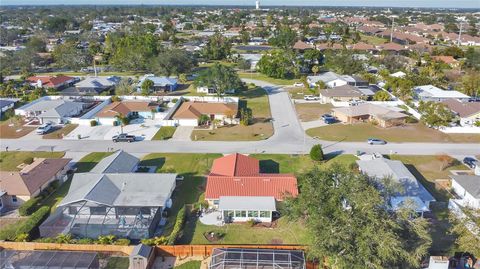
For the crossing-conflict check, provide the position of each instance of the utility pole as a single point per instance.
(460, 34)
(391, 31)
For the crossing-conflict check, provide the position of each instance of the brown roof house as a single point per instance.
(468, 112)
(17, 187)
(188, 113)
(366, 112)
(446, 59)
(131, 109)
(344, 93)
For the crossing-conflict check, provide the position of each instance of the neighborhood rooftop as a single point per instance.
(118, 162)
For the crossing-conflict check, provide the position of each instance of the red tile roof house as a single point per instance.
(237, 189)
(17, 187)
(55, 82)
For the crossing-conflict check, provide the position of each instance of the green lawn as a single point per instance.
(117, 263)
(165, 132)
(190, 265)
(286, 232)
(60, 133)
(259, 76)
(374, 40)
(255, 99)
(296, 164)
(409, 133)
(10, 160)
(90, 160)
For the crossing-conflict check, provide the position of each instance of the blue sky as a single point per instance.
(398, 3)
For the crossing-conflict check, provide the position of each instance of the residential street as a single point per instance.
(288, 138)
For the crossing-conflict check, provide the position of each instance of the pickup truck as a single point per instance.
(311, 97)
(123, 138)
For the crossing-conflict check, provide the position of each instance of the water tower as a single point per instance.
(257, 5)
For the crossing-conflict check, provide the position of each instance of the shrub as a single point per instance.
(106, 239)
(411, 119)
(85, 241)
(28, 160)
(251, 222)
(30, 227)
(178, 226)
(174, 100)
(316, 153)
(8, 232)
(122, 242)
(28, 207)
(22, 238)
(46, 240)
(93, 123)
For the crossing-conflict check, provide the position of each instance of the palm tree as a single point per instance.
(123, 120)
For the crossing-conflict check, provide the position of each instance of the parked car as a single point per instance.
(44, 128)
(328, 119)
(310, 97)
(298, 84)
(376, 141)
(123, 138)
(470, 162)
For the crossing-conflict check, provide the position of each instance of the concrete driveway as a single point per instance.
(143, 130)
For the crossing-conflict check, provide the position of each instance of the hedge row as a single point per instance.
(178, 226)
(27, 229)
(29, 206)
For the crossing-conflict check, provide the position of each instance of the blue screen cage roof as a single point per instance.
(229, 258)
(48, 259)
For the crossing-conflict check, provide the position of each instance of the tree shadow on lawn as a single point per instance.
(83, 167)
(253, 93)
(158, 162)
(269, 166)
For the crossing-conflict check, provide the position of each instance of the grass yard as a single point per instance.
(117, 263)
(189, 265)
(312, 111)
(10, 130)
(241, 233)
(11, 159)
(61, 132)
(165, 133)
(409, 133)
(374, 40)
(297, 164)
(427, 169)
(255, 99)
(259, 76)
(299, 92)
(86, 163)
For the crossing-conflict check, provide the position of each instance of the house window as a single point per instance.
(240, 214)
(265, 214)
(100, 210)
(216, 202)
(72, 210)
(253, 214)
(228, 213)
(14, 198)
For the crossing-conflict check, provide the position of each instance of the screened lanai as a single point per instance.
(232, 258)
(13, 259)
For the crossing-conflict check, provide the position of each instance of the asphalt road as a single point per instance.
(288, 138)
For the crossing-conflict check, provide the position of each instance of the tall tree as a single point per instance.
(67, 55)
(219, 77)
(217, 47)
(174, 61)
(349, 225)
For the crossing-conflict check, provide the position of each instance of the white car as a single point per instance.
(44, 128)
(298, 84)
(310, 97)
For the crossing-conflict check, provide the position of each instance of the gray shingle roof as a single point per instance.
(119, 162)
(470, 183)
(381, 167)
(127, 189)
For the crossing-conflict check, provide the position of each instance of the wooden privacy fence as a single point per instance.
(126, 250)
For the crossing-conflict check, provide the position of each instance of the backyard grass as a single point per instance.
(312, 111)
(259, 76)
(409, 133)
(11, 159)
(117, 263)
(297, 164)
(10, 130)
(189, 265)
(286, 232)
(255, 99)
(61, 132)
(165, 133)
